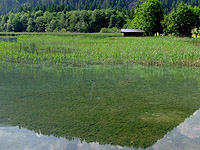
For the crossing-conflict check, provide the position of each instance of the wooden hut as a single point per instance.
(132, 32)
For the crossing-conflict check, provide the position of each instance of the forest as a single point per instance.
(149, 16)
(13, 5)
(73, 21)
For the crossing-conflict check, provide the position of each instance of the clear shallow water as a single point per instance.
(8, 39)
(131, 106)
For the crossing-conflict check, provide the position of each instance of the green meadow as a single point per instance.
(84, 49)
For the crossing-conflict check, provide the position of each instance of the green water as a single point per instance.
(8, 39)
(131, 106)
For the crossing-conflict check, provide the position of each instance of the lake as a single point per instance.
(8, 39)
(98, 106)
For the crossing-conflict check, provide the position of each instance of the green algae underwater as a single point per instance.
(126, 105)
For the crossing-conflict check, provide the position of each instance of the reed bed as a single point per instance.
(80, 49)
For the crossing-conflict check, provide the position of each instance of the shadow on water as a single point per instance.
(132, 106)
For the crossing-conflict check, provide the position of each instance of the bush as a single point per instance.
(110, 30)
(115, 30)
(63, 30)
(104, 30)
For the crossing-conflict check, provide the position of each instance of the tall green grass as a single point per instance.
(78, 49)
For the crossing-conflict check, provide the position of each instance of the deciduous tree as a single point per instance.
(181, 21)
(148, 17)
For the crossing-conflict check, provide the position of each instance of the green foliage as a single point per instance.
(73, 21)
(63, 30)
(15, 22)
(60, 5)
(65, 5)
(148, 17)
(117, 20)
(196, 11)
(110, 30)
(40, 24)
(182, 20)
(30, 25)
(98, 20)
(195, 32)
(56, 30)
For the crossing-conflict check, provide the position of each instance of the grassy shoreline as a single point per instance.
(97, 48)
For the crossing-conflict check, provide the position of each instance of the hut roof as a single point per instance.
(132, 30)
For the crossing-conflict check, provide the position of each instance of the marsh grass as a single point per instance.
(80, 49)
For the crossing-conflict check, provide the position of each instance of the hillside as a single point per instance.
(14, 5)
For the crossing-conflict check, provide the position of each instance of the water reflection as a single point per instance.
(13, 138)
(185, 136)
(130, 106)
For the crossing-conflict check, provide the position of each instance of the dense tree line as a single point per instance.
(73, 21)
(169, 5)
(149, 16)
(14, 5)
(180, 22)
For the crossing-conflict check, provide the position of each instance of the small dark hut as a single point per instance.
(132, 32)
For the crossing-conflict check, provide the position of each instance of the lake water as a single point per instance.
(99, 107)
(184, 137)
(8, 39)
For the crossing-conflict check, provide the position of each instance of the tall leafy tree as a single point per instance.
(97, 21)
(73, 21)
(40, 24)
(148, 17)
(3, 24)
(51, 26)
(196, 11)
(61, 20)
(30, 25)
(9, 24)
(24, 20)
(19, 22)
(113, 21)
(48, 16)
(181, 21)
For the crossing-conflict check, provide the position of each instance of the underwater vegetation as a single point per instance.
(126, 105)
